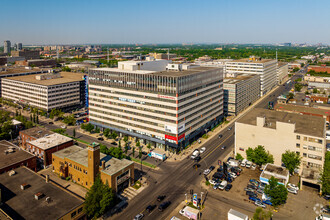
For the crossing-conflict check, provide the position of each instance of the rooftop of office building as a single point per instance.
(251, 60)
(236, 78)
(12, 70)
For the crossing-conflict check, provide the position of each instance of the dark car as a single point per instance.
(218, 175)
(228, 187)
(163, 206)
(100, 138)
(253, 194)
(252, 186)
(160, 198)
(220, 135)
(254, 198)
(198, 158)
(223, 147)
(150, 208)
(211, 168)
(267, 202)
(51, 123)
(195, 166)
(230, 158)
(326, 197)
(220, 170)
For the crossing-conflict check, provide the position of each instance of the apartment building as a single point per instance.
(46, 91)
(265, 68)
(282, 72)
(240, 91)
(27, 54)
(280, 131)
(165, 108)
(83, 165)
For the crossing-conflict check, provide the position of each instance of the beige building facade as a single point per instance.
(281, 131)
(282, 72)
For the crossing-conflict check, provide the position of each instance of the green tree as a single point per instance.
(298, 87)
(125, 139)
(59, 130)
(106, 132)
(89, 127)
(260, 214)
(315, 90)
(97, 130)
(126, 147)
(74, 133)
(259, 155)
(291, 95)
(291, 160)
(114, 135)
(119, 144)
(66, 69)
(325, 176)
(99, 199)
(37, 119)
(149, 146)
(239, 157)
(31, 117)
(133, 151)
(140, 152)
(69, 120)
(277, 192)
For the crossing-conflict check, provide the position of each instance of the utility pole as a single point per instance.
(186, 198)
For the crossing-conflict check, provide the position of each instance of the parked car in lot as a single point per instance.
(216, 186)
(254, 182)
(252, 194)
(223, 185)
(252, 186)
(212, 182)
(267, 202)
(325, 209)
(163, 206)
(260, 204)
(260, 191)
(249, 189)
(228, 187)
(293, 191)
(138, 216)
(206, 172)
(211, 168)
(254, 198)
(160, 198)
(233, 175)
(253, 167)
(248, 164)
(243, 163)
(202, 150)
(292, 186)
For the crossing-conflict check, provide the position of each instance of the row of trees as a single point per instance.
(325, 177)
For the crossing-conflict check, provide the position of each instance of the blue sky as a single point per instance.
(164, 21)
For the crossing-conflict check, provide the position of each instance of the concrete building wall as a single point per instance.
(282, 73)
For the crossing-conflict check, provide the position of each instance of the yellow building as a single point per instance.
(82, 165)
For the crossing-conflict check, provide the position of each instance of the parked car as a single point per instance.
(267, 202)
(233, 175)
(252, 186)
(206, 172)
(160, 198)
(181, 212)
(63, 126)
(211, 168)
(51, 123)
(220, 135)
(253, 181)
(223, 185)
(293, 191)
(202, 150)
(292, 186)
(229, 158)
(252, 194)
(138, 216)
(223, 147)
(253, 167)
(254, 198)
(216, 186)
(163, 206)
(228, 187)
(212, 182)
(262, 185)
(243, 163)
(325, 209)
(260, 204)
(229, 128)
(326, 197)
(248, 164)
(100, 138)
(150, 208)
(260, 191)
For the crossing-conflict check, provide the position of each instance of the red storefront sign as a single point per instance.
(174, 138)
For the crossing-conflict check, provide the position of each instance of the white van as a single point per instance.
(243, 163)
(233, 163)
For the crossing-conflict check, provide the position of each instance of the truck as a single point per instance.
(190, 213)
(235, 215)
(158, 154)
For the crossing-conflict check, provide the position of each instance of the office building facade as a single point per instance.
(7, 47)
(166, 109)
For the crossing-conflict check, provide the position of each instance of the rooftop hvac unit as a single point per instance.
(24, 186)
(38, 196)
(12, 173)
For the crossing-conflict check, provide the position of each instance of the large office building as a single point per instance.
(280, 131)
(165, 108)
(83, 165)
(6, 47)
(27, 54)
(240, 91)
(46, 91)
(265, 68)
(282, 72)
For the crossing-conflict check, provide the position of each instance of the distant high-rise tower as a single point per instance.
(19, 46)
(6, 46)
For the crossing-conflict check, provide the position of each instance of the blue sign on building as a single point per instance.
(86, 91)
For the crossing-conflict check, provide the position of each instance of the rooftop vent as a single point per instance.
(38, 195)
(12, 173)
(24, 186)
(48, 199)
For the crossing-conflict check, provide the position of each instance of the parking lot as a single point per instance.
(219, 202)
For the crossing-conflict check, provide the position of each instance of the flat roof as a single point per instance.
(272, 168)
(305, 124)
(66, 77)
(17, 154)
(37, 132)
(21, 204)
(280, 64)
(238, 78)
(122, 71)
(248, 60)
(302, 109)
(15, 70)
(50, 141)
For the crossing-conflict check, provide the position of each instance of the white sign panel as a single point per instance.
(171, 129)
(181, 128)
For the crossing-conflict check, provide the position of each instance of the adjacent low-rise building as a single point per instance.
(37, 63)
(83, 165)
(271, 170)
(13, 157)
(240, 91)
(280, 131)
(27, 54)
(265, 68)
(322, 68)
(27, 195)
(46, 91)
(32, 134)
(168, 109)
(282, 72)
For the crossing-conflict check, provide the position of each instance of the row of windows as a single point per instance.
(309, 139)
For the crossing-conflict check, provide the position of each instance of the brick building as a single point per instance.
(27, 54)
(319, 98)
(37, 63)
(83, 165)
(45, 146)
(322, 68)
(13, 157)
(32, 134)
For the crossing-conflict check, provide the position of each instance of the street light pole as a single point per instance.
(201, 197)
(186, 198)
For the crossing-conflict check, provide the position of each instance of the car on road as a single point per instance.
(195, 166)
(206, 172)
(292, 186)
(260, 204)
(202, 150)
(160, 198)
(51, 123)
(293, 191)
(181, 212)
(150, 208)
(211, 168)
(100, 138)
(220, 135)
(198, 158)
(229, 128)
(138, 216)
(223, 147)
(163, 206)
(228, 187)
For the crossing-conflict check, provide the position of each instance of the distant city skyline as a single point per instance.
(164, 22)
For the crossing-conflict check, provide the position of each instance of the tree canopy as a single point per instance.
(325, 177)
(277, 192)
(260, 214)
(291, 160)
(99, 199)
(259, 155)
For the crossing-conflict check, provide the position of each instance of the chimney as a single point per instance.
(47, 178)
(103, 165)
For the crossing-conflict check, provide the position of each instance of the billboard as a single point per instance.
(195, 199)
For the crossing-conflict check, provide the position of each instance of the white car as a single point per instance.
(206, 172)
(260, 204)
(202, 150)
(293, 191)
(223, 185)
(248, 164)
(292, 186)
(233, 175)
(253, 167)
(63, 126)
(212, 182)
(243, 163)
